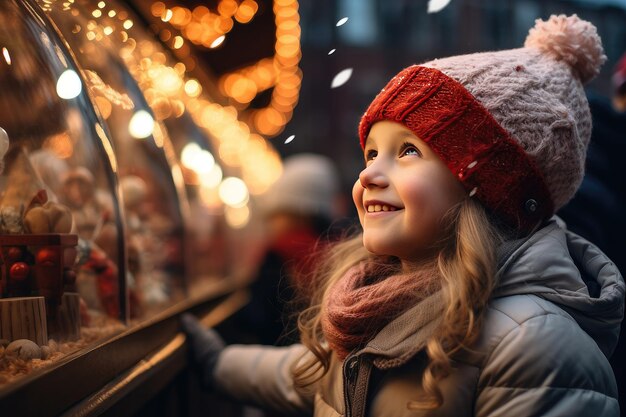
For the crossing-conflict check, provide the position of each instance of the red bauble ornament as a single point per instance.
(19, 271)
(47, 257)
(14, 254)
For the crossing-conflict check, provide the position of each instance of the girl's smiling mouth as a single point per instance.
(374, 206)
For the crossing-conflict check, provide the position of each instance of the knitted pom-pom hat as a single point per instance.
(512, 125)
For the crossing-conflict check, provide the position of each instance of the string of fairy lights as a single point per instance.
(281, 72)
(170, 90)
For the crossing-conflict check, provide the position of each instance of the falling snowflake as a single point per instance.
(435, 6)
(332, 51)
(341, 78)
(290, 138)
(342, 21)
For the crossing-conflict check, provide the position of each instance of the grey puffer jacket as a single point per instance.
(552, 323)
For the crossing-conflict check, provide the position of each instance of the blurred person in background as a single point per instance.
(298, 210)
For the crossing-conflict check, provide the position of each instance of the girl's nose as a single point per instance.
(373, 176)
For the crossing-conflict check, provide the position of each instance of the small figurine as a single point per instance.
(37, 253)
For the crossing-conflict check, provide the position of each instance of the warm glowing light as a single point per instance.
(259, 176)
(208, 27)
(203, 26)
(104, 106)
(225, 25)
(246, 11)
(180, 68)
(69, 85)
(167, 80)
(6, 55)
(60, 144)
(182, 16)
(200, 11)
(237, 217)
(167, 15)
(178, 42)
(212, 178)
(128, 24)
(178, 108)
(209, 197)
(227, 7)
(108, 30)
(193, 88)
(141, 125)
(101, 4)
(160, 106)
(112, 13)
(197, 159)
(243, 90)
(233, 192)
(165, 35)
(157, 8)
(159, 138)
(106, 91)
(170, 93)
(217, 42)
(106, 143)
(97, 13)
(187, 156)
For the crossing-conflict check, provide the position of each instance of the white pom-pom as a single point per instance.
(572, 40)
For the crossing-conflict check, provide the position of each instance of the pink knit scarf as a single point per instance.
(361, 303)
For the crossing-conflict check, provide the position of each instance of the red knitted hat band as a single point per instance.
(491, 166)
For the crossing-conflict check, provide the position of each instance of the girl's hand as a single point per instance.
(205, 346)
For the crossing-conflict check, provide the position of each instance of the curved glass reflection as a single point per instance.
(103, 136)
(207, 137)
(62, 283)
(147, 166)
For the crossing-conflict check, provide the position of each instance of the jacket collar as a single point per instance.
(552, 263)
(406, 335)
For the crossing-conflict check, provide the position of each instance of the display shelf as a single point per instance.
(102, 377)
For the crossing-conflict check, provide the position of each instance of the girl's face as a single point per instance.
(403, 193)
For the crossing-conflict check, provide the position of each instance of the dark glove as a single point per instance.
(205, 346)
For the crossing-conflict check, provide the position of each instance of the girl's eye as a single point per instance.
(409, 149)
(370, 155)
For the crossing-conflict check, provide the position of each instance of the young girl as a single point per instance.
(463, 296)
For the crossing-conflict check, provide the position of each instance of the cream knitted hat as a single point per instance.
(512, 125)
(308, 186)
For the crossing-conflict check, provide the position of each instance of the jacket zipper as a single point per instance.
(349, 368)
(357, 374)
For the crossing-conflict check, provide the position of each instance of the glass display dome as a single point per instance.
(61, 234)
(223, 164)
(150, 179)
(126, 187)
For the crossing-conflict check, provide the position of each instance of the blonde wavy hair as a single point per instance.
(466, 262)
